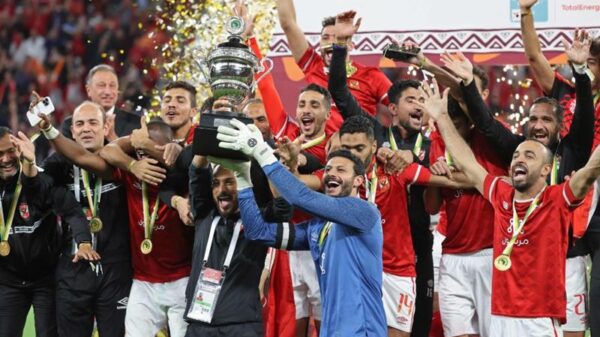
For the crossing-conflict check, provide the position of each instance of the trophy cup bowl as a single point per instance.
(231, 68)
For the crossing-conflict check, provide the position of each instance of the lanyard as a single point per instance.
(416, 149)
(554, 172)
(88, 192)
(6, 224)
(518, 224)
(324, 233)
(371, 185)
(148, 220)
(232, 244)
(313, 142)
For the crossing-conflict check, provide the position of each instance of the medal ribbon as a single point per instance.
(88, 192)
(518, 224)
(448, 157)
(148, 220)
(5, 226)
(394, 145)
(371, 185)
(313, 142)
(324, 233)
(554, 172)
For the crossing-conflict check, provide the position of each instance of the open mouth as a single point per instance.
(416, 116)
(519, 172)
(171, 114)
(307, 122)
(333, 185)
(224, 201)
(540, 136)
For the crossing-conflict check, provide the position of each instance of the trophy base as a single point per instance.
(205, 135)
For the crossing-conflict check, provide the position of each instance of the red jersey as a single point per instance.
(391, 200)
(469, 217)
(172, 241)
(535, 284)
(368, 85)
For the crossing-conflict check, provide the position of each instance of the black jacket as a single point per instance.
(36, 237)
(239, 300)
(125, 122)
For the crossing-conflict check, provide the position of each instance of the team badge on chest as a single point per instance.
(24, 211)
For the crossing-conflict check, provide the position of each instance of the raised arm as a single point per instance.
(75, 152)
(583, 179)
(201, 201)
(278, 235)
(542, 71)
(348, 211)
(463, 157)
(338, 86)
(145, 169)
(504, 141)
(295, 36)
(581, 133)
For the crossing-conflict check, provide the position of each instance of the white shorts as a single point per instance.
(465, 292)
(436, 253)
(399, 294)
(154, 306)
(576, 286)
(503, 326)
(307, 294)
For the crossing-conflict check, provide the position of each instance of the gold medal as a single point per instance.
(95, 225)
(503, 262)
(146, 246)
(4, 248)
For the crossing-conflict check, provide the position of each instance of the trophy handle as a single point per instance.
(266, 65)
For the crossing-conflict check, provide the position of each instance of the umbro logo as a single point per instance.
(122, 303)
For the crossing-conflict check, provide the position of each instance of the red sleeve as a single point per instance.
(570, 200)
(120, 175)
(493, 187)
(381, 85)
(309, 60)
(437, 148)
(276, 114)
(415, 174)
(319, 174)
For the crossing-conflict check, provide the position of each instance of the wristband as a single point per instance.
(29, 162)
(175, 201)
(525, 13)
(51, 133)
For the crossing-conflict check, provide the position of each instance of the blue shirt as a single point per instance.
(347, 254)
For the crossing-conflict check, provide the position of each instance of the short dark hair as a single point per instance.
(358, 124)
(482, 75)
(398, 87)
(558, 109)
(5, 131)
(595, 47)
(320, 90)
(327, 21)
(157, 123)
(98, 68)
(207, 104)
(185, 86)
(359, 168)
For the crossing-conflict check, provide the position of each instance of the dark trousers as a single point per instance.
(593, 239)
(15, 303)
(424, 301)
(238, 330)
(83, 294)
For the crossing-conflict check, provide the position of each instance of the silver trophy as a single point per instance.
(232, 65)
